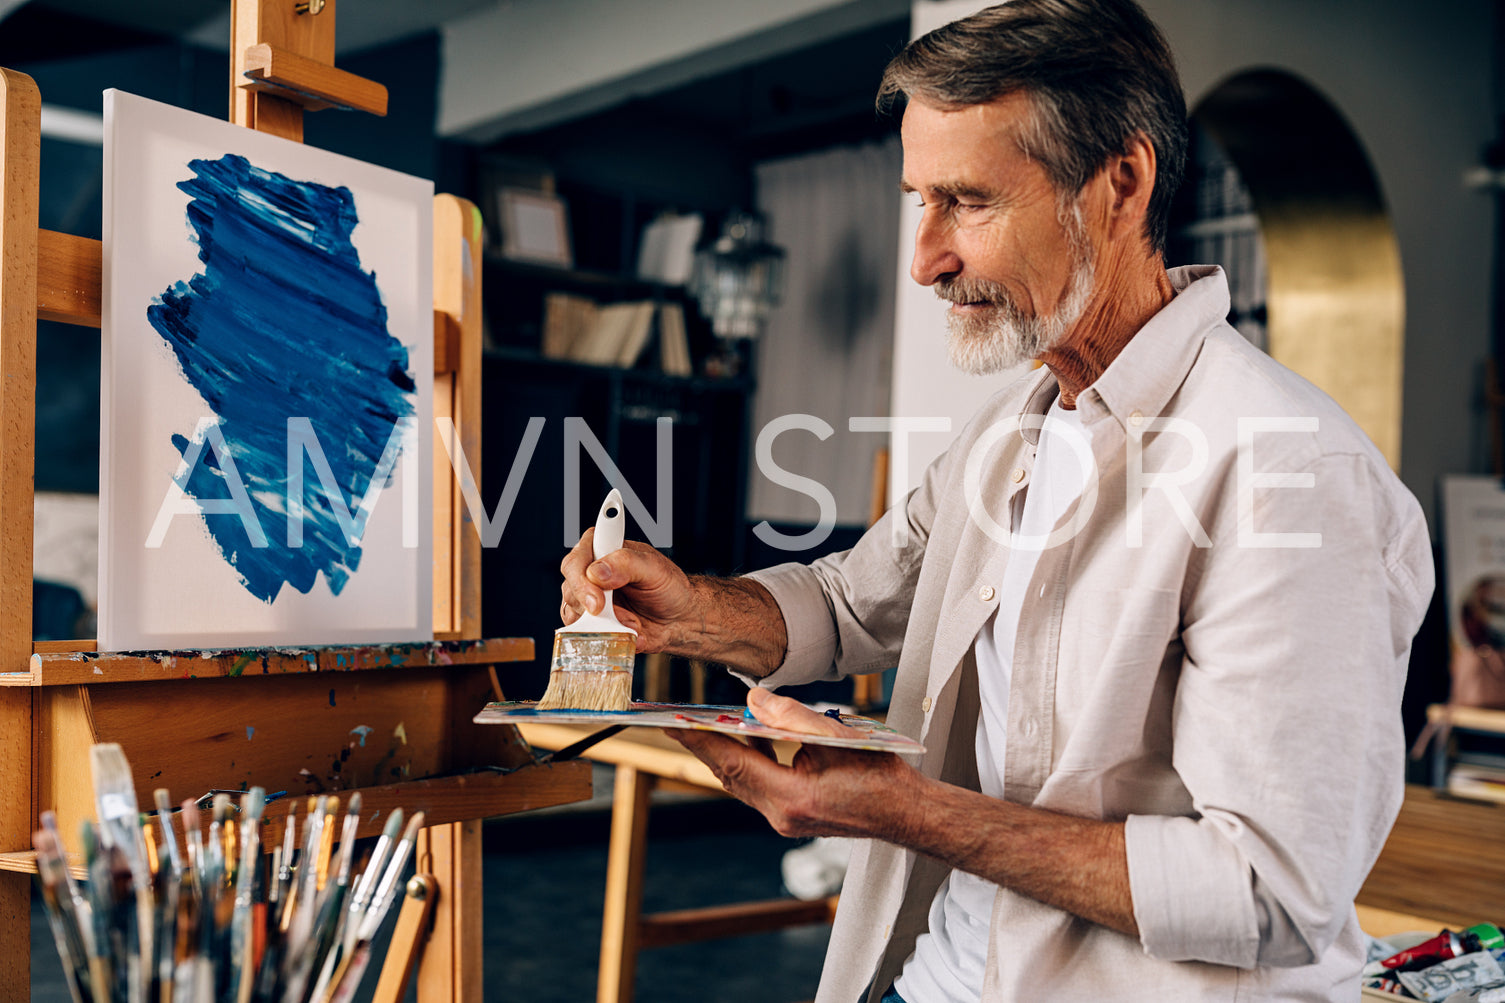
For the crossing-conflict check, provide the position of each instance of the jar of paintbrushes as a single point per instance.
(216, 919)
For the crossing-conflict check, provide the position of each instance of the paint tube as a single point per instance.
(1447, 944)
(1475, 970)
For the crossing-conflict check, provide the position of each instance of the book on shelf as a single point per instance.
(567, 321)
(616, 328)
(667, 251)
(673, 341)
(616, 334)
(639, 329)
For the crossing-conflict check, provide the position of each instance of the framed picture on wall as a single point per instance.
(535, 227)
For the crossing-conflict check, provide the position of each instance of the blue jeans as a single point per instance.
(892, 996)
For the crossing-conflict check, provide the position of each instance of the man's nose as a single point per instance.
(934, 257)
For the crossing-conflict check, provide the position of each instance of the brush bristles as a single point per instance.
(591, 671)
(588, 689)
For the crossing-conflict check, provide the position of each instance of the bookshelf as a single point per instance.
(709, 436)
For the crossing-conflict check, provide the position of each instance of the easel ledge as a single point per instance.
(443, 800)
(77, 663)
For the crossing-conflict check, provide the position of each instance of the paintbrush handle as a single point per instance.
(611, 526)
(611, 530)
(386, 891)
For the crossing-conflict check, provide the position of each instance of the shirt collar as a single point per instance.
(1151, 367)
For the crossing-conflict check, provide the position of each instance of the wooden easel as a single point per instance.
(228, 720)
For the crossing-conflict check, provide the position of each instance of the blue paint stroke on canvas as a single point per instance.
(282, 322)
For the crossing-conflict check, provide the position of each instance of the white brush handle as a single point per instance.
(611, 529)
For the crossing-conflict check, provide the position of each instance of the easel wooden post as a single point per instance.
(20, 105)
(55, 699)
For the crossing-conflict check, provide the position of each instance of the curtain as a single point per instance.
(828, 347)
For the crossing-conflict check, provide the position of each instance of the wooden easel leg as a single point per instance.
(450, 968)
(15, 920)
(624, 886)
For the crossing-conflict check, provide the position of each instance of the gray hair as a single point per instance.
(1097, 73)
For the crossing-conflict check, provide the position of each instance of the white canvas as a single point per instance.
(283, 321)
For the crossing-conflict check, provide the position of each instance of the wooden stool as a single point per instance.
(645, 758)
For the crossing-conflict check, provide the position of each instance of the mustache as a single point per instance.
(967, 290)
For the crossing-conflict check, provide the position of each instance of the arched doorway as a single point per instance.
(1325, 251)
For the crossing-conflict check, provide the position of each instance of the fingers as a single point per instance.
(636, 563)
(577, 594)
(783, 712)
(586, 578)
(743, 771)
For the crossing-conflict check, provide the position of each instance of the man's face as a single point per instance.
(994, 240)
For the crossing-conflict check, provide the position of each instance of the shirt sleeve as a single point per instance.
(1286, 724)
(847, 613)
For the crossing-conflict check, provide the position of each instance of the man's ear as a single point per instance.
(1131, 176)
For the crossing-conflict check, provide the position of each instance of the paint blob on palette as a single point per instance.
(283, 307)
(268, 340)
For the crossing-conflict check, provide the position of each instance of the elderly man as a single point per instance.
(1151, 611)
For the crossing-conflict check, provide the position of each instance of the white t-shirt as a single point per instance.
(948, 962)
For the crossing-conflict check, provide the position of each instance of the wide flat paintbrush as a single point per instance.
(593, 657)
(123, 844)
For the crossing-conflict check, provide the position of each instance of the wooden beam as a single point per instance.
(450, 970)
(69, 278)
(444, 799)
(310, 83)
(446, 343)
(738, 919)
(276, 23)
(457, 297)
(51, 667)
(1475, 718)
(624, 886)
(408, 937)
(20, 178)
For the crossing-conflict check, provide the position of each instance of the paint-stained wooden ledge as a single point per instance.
(74, 663)
(442, 800)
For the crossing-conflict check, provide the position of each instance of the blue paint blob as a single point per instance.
(283, 323)
(361, 731)
(249, 732)
(331, 698)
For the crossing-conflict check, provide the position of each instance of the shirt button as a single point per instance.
(1136, 418)
(985, 593)
(924, 706)
(1017, 474)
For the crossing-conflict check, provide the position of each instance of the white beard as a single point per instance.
(1004, 336)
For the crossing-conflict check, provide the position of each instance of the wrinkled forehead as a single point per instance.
(967, 144)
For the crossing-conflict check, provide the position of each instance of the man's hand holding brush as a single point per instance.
(736, 622)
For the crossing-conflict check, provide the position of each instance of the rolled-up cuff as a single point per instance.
(1193, 892)
(811, 652)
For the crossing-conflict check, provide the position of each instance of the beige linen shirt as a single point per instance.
(1214, 652)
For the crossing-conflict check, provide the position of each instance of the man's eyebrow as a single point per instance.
(953, 190)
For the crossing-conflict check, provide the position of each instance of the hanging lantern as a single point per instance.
(738, 279)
